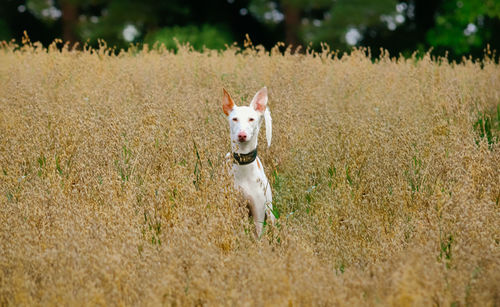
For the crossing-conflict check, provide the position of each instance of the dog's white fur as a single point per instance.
(244, 124)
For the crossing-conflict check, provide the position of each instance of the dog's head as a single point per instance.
(244, 121)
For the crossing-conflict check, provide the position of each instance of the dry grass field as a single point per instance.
(114, 187)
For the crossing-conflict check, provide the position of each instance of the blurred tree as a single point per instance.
(69, 13)
(401, 26)
(322, 20)
(106, 19)
(453, 27)
(465, 25)
(120, 22)
(63, 14)
(4, 30)
(208, 36)
(405, 31)
(15, 18)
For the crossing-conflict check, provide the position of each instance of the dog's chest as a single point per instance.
(250, 179)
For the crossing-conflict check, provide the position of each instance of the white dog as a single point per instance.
(249, 176)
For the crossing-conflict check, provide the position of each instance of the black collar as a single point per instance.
(243, 159)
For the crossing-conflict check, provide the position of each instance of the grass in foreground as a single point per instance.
(114, 187)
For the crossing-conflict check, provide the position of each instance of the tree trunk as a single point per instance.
(292, 23)
(69, 21)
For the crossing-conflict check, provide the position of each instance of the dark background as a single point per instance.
(456, 28)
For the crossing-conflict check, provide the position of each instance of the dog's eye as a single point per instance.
(235, 119)
(251, 119)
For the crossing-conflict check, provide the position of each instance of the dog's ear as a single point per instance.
(259, 104)
(259, 101)
(227, 103)
(269, 126)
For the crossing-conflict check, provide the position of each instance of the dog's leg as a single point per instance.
(269, 213)
(259, 216)
(269, 203)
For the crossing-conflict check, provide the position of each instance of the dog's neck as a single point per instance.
(244, 159)
(245, 153)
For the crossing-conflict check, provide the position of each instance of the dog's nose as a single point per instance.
(242, 136)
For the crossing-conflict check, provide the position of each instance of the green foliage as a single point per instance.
(344, 14)
(414, 174)
(451, 29)
(37, 6)
(487, 126)
(197, 170)
(42, 162)
(124, 166)
(327, 21)
(208, 36)
(4, 30)
(278, 191)
(445, 251)
(457, 27)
